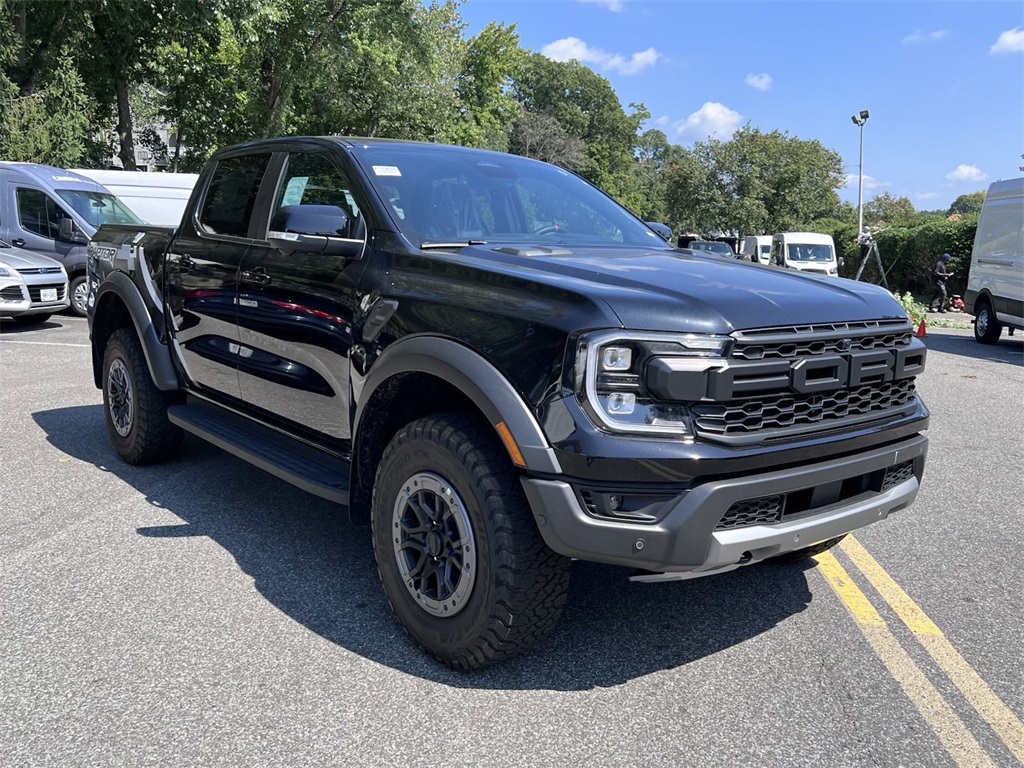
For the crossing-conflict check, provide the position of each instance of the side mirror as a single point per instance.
(313, 229)
(69, 232)
(841, 261)
(661, 229)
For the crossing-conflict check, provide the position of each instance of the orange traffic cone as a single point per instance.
(921, 331)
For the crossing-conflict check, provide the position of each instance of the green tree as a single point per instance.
(969, 203)
(887, 210)
(492, 62)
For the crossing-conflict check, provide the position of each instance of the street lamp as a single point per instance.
(859, 121)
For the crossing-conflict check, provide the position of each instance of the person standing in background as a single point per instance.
(940, 274)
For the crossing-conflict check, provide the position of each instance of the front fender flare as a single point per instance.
(475, 377)
(157, 354)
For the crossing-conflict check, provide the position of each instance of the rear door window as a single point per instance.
(231, 196)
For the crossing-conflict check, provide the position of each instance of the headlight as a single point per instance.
(610, 378)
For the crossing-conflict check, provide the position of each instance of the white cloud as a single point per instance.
(920, 36)
(1010, 41)
(612, 5)
(759, 82)
(662, 121)
(573, 48)
(965, 172)
(870, 182)
(712, 119)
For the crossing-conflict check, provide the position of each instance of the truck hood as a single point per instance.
(675, 290)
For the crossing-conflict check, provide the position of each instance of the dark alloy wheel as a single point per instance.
(135, 410)
(986, 327)
(463, 565)
(79, 290)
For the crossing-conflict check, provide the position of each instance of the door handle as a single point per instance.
(185, 263)
(257, 276)
(18, 242)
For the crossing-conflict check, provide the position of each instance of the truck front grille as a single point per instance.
(820, 339)
(740, 417)
(763, 511)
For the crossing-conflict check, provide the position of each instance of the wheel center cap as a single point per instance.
(434, 544)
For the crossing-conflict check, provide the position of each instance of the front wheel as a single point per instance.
(135, 410)
(463, 565)
(986, 327)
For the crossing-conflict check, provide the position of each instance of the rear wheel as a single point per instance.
(135, 410)
(798, 555)
(463, 565)
(31, 319)
(986, 327)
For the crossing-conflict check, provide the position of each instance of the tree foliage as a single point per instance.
(969, 203)
(886, 210)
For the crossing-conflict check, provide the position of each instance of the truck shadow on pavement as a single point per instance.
(308, 561)
(1009, 349)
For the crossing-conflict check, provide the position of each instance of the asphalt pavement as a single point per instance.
(203, 613)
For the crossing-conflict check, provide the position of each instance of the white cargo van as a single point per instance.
(806, 252)
(757, 248)
(995, 285)
(157, 198)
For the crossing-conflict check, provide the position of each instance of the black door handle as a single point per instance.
(17, 242)
(257, 276)
(185, 263)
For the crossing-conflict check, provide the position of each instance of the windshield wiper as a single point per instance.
(441, 244)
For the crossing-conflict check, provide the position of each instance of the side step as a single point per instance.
(301, 465)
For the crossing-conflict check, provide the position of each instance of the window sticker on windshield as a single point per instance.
(387, 170)
(293, 192)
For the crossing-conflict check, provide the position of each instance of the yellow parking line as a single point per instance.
(947, 725)
(991, 708)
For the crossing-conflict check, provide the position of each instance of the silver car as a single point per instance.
(32, 287)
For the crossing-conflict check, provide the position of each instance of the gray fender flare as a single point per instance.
(475, 377)
(158, 355)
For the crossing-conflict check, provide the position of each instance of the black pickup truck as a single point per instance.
(499, 369)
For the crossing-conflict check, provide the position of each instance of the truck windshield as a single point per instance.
(452, 195)
(797, 252)
(99, 207)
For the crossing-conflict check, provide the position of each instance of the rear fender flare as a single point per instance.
(157, 354)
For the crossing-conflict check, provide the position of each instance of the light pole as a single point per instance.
(859, 121)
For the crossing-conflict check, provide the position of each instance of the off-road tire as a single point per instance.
(519, 586)
(148, 436)
(799, 555)
(986, 328)
(31, 319)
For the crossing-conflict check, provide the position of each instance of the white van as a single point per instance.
(806, 252)
(157, 198)
(995, 286)
(757, 248)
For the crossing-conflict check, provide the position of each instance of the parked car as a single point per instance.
(55, 212)
(995, 285)
(32, 287)
(713, 246)
(157, 198)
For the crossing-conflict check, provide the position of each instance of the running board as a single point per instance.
(293, 461)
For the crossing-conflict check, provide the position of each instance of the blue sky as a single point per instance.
(943, 81)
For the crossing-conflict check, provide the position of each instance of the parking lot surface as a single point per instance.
(202, 612)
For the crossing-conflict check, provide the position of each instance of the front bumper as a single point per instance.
(687, 539)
